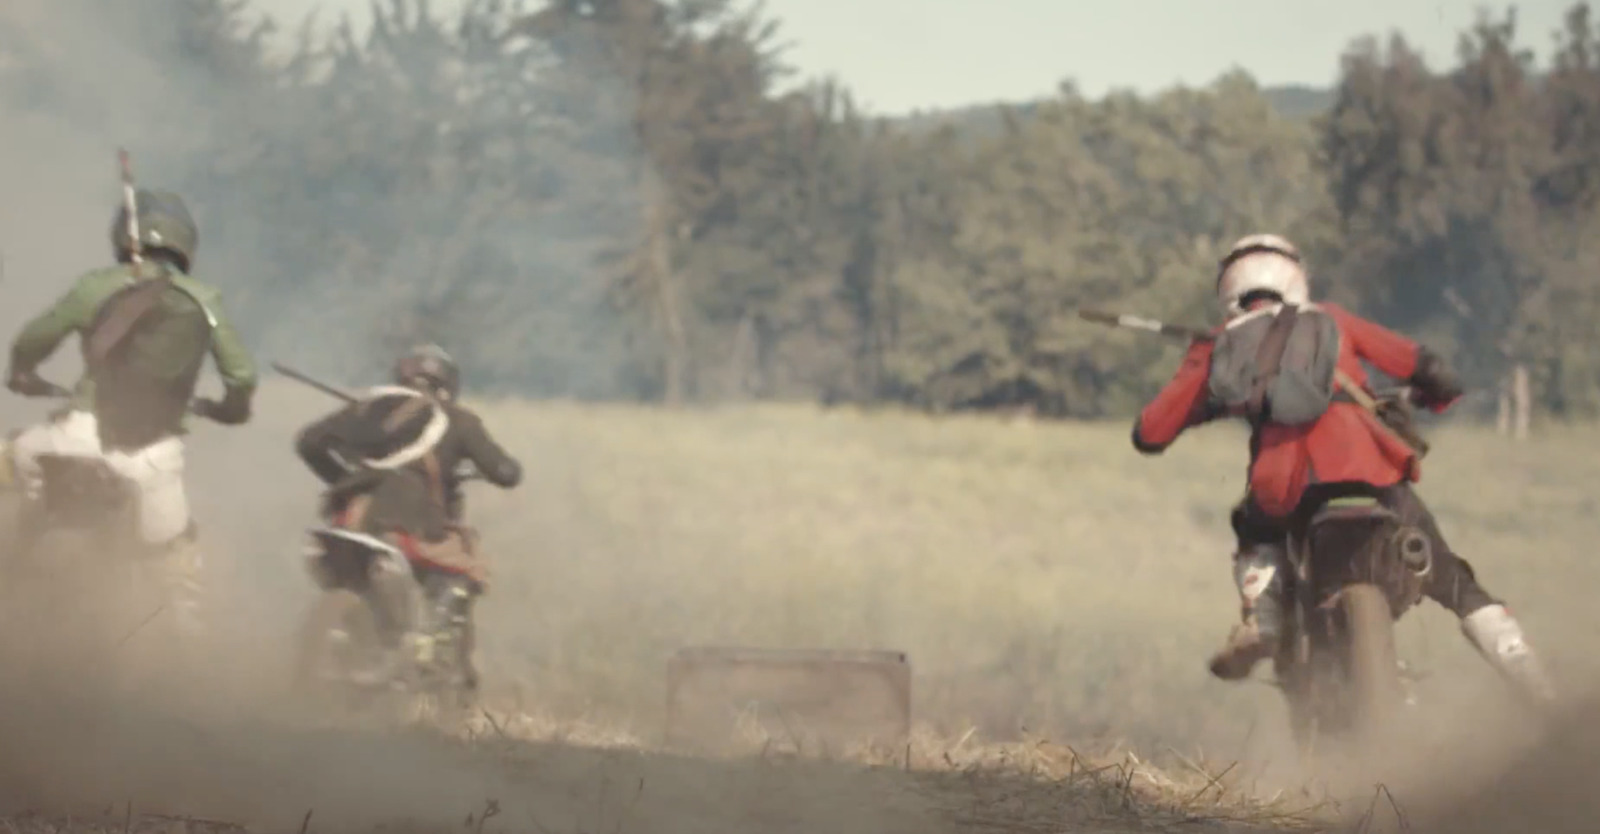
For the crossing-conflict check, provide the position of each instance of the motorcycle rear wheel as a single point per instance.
(1372, 666)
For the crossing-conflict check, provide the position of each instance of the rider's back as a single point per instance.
(407, 449)
(144, 343)
(1346, 443)
(144, 349)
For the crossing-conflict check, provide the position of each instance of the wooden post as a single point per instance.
(1502, 423)
(741, 359)
(1521, 400)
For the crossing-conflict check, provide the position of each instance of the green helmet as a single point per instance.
(164, 223)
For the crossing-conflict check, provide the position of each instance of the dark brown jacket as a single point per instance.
(421, 497)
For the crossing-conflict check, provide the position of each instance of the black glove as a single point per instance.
(232, 411)
(1433, 384)
(29, 384)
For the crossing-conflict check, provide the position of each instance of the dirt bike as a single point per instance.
(1356, 569)
(342, 636)
(80, 553)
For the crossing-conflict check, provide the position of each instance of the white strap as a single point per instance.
(434, 432)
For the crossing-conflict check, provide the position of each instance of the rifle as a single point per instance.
(320, 386)
(131, 207)
(1391, 412)
(466, 471)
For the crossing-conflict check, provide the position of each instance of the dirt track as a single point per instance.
(71, 753)
(267, 777)
(976, 552)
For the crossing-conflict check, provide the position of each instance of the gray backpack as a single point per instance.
(1277, 368)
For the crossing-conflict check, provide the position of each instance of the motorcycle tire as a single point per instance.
(1372, 668)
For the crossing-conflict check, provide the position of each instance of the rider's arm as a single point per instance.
(234, 364)
(1400, 358)
(494, 463)
(316, 444)
(238, 371)
(40, 338)
(1181, 404)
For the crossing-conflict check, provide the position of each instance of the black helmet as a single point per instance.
(164, 224)
(430, 368)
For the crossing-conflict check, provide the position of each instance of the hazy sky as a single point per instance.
(899, 55)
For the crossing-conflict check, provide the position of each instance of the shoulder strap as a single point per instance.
(1269, 356)
(127, 306)
(430, 464)
(433, 432)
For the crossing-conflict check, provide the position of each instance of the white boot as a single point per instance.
(1498, 637)
(1257, 578)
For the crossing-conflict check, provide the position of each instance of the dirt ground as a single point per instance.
(1055, 592)
(211, 759)
(227, 750)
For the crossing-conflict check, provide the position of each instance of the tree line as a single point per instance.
(629, 199)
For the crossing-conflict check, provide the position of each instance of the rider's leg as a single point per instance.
(392, 592)
(1259, 573)
(1485, 621)
(165, 527)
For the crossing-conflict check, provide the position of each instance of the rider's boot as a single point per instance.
(1498, 637)
(1255, 571)
(1245, 647)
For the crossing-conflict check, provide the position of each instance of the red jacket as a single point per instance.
(1345, 444)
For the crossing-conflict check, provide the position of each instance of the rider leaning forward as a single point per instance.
(392, 462)
(1345, 445)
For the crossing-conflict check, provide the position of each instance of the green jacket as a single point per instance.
(75, 311)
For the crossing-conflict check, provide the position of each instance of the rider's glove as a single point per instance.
(28, 383)
(1433, 385)
(232, 411)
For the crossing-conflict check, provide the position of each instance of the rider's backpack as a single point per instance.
(145, 349)
(1277, 365)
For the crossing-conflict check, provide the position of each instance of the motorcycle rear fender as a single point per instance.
(1350, 510)
(1398, 567)
(338, 556)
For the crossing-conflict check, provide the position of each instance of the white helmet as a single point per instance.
(1261, 263)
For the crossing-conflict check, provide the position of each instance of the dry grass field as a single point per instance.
(1039, 575)
(1056, 592)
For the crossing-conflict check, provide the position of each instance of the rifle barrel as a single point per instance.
(1133, 322)
(1395, 423)
(320, 386)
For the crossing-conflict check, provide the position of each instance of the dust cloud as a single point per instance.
(231, 743)
(83, 739)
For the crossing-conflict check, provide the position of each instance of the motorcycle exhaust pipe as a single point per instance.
(1416, 552)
